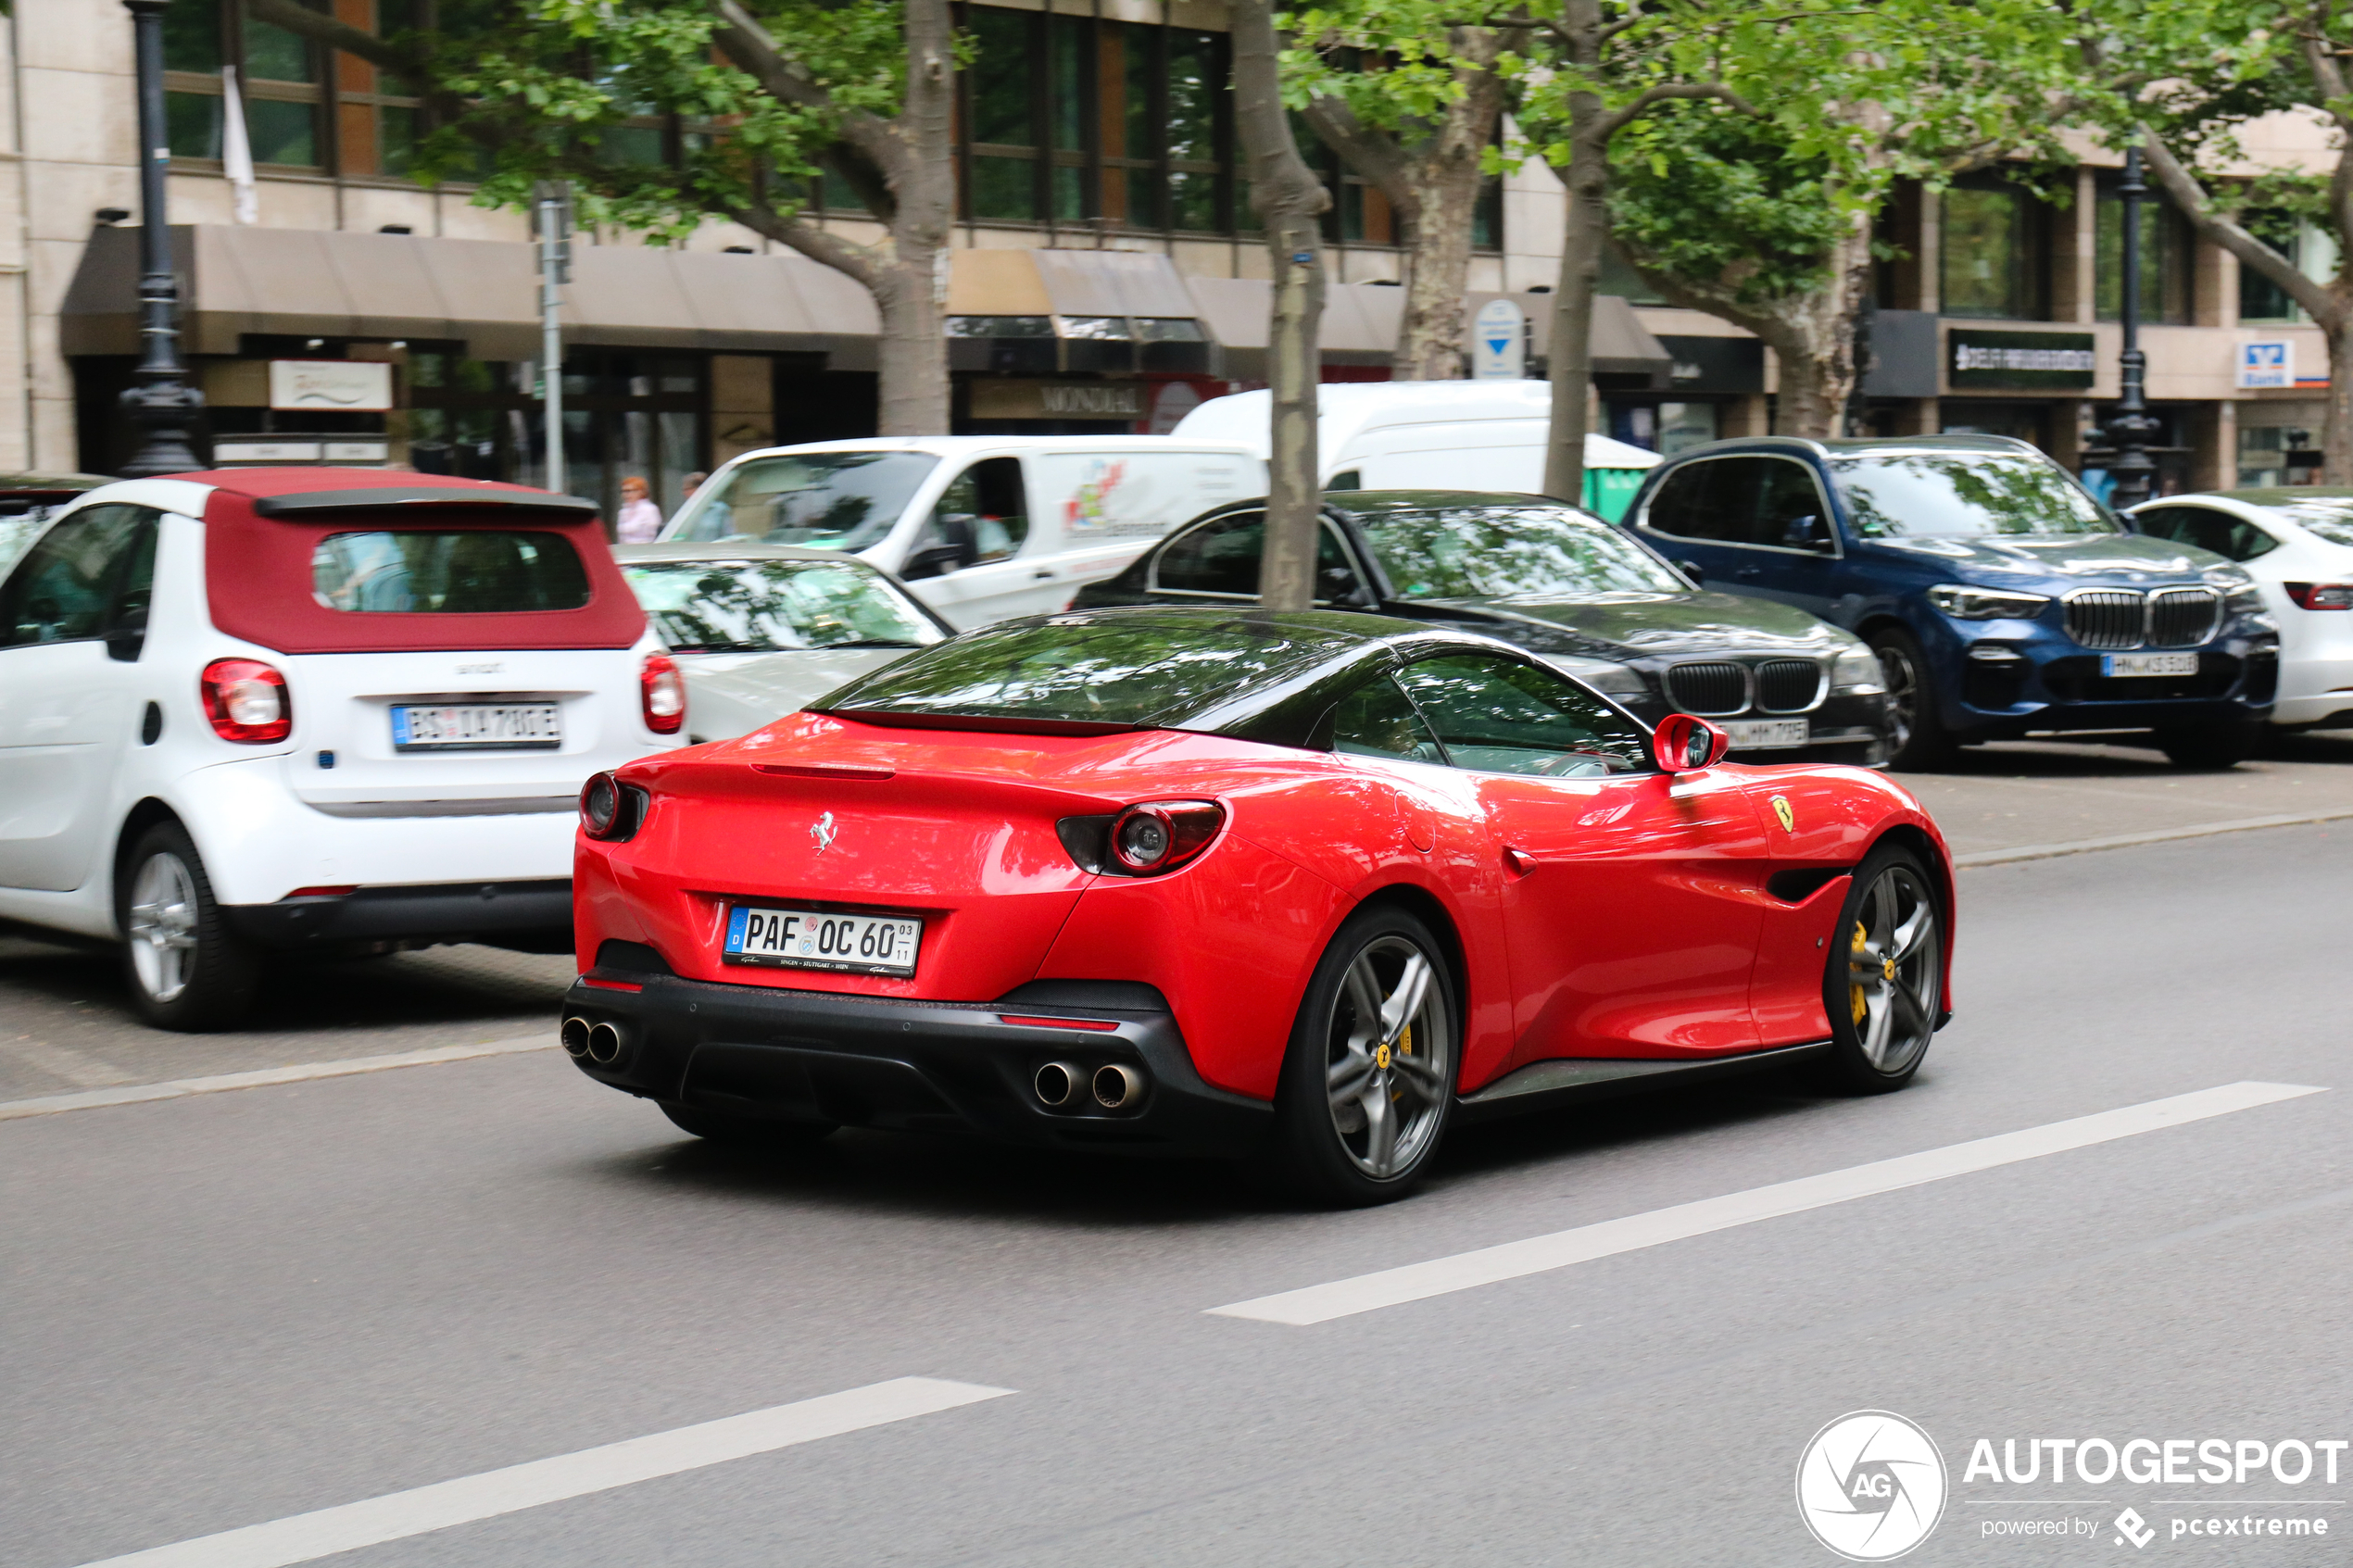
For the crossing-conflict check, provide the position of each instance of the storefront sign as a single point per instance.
(2028, 361)
(2268, 363)
(1499, 342)
(349, 386)
(1058, 400)
(1715, 364)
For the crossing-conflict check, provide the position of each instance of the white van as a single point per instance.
(1432, 435)
(982, 528)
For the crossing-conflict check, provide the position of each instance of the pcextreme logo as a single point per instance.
(1870, 1485)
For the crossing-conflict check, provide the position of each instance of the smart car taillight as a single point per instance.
(246, 701)
(1160, 836)
(2320, 596)
(663, 691)
(610, 810)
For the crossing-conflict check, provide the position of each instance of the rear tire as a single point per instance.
(185, 969)
(1369, 1081)
(2211, 745)
(1884, 983)
(1921, 742)
(749, 1134)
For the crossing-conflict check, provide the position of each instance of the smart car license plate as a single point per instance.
(477, 726)
(2148, 664)
(819, 939)
(1764, 734)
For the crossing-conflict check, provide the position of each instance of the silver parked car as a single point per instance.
(761, 629)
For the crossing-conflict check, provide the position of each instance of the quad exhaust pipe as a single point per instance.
(1058, 1082)
(600, 1043)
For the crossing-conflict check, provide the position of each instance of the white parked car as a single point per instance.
(983, 528)
(1468, 436)
(761, 630)
(2298, 545)
(310, 708)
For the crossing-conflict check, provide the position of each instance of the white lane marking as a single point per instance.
(306, 1536)
(175, 1089)
(1513, 1259)
(2128, 840)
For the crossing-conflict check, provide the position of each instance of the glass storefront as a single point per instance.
(1663, 427)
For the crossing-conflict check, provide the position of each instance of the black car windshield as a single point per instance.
(2333, 521)
(1964, 496)
(1489, 551)
(773, 606)
(1129, 671)
(828, 500)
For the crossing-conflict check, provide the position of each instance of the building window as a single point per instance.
(300, 115)
(2311, 248)
(1993, 251)
(2165, 259)
(1073, 120)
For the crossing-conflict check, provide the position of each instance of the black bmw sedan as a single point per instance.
(1586, 598)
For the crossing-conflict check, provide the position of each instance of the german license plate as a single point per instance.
(1764, 734)
(822, 939)
(477, 726)
(2148, 664)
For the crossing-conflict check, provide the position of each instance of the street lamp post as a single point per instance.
(163, 403)
(2133, 427)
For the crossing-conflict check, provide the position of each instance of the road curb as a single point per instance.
(180, 1089)
(2128, 840)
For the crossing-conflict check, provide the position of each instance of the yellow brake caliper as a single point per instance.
(1404, 1047)
(1854, 992)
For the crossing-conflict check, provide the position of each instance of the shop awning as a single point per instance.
(1359, 328)
(305, 283)
(1067, 282)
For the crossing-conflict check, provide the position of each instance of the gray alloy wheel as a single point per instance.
(1917, 739)
(1885, 978)
(1368, 1084)
(1389, 1062)
(162, 926)
(185, 968)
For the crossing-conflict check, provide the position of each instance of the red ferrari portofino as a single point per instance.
(1207, 880)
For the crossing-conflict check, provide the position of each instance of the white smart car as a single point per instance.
(2298, 545)
(310, 708)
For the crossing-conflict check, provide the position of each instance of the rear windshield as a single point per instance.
(1130, 672)
(1938, 494)
(772, 605)
(828, 500)
(473, 572)
(1476, 552)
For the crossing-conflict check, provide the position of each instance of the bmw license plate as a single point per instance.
(1764, 734)
(822, 939)
(2148, 664)
(477, 726)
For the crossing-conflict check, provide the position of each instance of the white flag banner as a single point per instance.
(236, 152)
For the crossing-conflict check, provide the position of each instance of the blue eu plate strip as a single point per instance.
(400, 726)
(735, 928)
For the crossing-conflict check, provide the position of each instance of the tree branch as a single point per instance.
(1619, 119)
(2192, 200)
(844, 255)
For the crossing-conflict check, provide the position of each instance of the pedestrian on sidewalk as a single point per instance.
(640, 520)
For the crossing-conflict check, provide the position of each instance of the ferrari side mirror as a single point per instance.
(1683, 743)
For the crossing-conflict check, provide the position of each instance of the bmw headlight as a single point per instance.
(1964, 603)
(2240, 595)
(1610, 680)
(1857, 672)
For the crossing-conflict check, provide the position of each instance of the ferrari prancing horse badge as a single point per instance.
(1788, 817)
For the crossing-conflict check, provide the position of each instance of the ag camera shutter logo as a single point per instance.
(1870, 1485)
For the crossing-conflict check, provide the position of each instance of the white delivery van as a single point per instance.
(981, 528)
(1432, 435)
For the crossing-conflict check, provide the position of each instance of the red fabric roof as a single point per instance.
(257, 571)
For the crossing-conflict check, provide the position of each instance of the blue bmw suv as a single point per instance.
(2001, 598)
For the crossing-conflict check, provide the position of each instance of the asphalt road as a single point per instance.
(227, 1310)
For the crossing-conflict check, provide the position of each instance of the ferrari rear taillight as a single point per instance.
(663, 691)
(2320, 596)
(246, 701)
(610, 810)
(1160, 836)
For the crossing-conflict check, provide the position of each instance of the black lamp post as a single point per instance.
(163, 403)
(2133, 427)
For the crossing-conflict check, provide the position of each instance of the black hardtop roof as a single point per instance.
(1866, 447)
